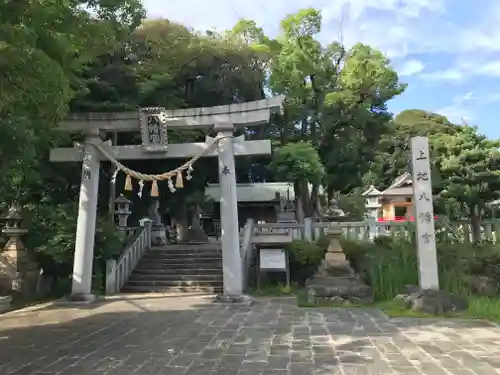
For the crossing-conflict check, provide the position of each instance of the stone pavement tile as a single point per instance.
(355, 370)
(279, 350)
(432, 368)
(275, 372)
(409, 370)
(322, 351)
(151, 367)
(183, 360)
(302, 356)
(168, 370)
(278, 361)
(397, 359)
(300, 369)
(492, 361)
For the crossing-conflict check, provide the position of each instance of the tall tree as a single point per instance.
(335, 98)
(470, 166)
(43, 46)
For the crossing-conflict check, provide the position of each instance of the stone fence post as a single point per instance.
(110, 277)
(148, 223)
(308, 235)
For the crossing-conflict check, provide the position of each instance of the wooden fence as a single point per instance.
(452, 232)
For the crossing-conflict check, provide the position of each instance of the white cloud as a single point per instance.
(411, 67)
(491, 97)
(456, 114)
(464, 107)
(465, 70)
(450, 74)
(458, 111)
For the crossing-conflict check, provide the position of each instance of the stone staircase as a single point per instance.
(178, 268)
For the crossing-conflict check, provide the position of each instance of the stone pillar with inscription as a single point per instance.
(231, 258)
(424, 213)
(81, 288)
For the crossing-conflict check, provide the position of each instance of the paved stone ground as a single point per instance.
(150, 335)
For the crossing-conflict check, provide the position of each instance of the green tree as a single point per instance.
(335, 98)
(392, 154)
(470, 166)
(165, 64)
(43, 46)
(300, 164)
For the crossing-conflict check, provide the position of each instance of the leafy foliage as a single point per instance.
(388, 265)
(305, 257)
(297, 162)
(52, 238)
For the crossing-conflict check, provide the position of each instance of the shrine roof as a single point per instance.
(372, 191)
(402, 191)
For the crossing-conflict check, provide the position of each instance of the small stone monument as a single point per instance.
(19, 272)
(287, 213)
(334, 212)
(335, 280)
(158, 232)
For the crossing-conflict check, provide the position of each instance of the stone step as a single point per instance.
(360, 291)
(175, 283)
(152, 276)
(160, 270)
(353, 280)
(186, 290)
(188, 247)
(168, 255)
(185, 251)
(184, 262)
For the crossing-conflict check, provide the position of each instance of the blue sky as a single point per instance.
(448, 51)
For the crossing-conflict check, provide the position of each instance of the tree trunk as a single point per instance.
(315, 202)
(475, 220)
(182, 224)
(302, 192)
(195, 218)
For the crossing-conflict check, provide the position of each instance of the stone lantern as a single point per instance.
(13, 229)
(18, 271)
(122, 211)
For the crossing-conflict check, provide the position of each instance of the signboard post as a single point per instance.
(424, 213)
(273, 260)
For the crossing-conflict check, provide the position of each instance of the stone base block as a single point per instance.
(5, 303)
(436, 302)
(234, 299)
(349, 288)
(335, 258)
(158, 235)
(78, 299)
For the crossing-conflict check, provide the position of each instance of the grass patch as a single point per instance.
(479, 307)
(273, 290)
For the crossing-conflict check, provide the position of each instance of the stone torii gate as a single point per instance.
(153, 124)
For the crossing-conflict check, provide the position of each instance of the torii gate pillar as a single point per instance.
(230, 238)
(81, 288)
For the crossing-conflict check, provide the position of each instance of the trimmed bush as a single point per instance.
(305, 258)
